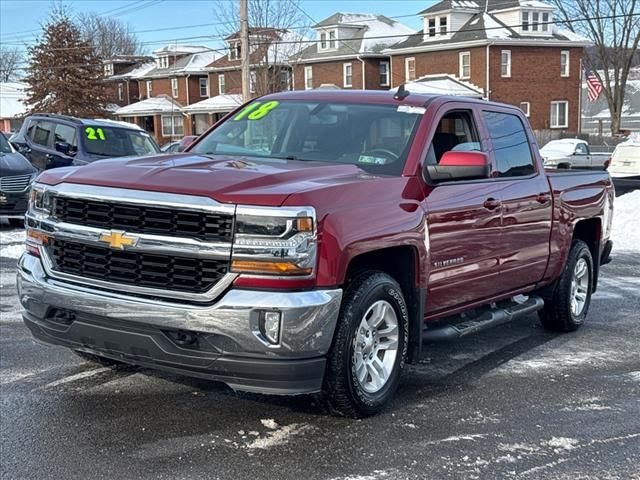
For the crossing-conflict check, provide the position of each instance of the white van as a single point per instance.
(625, 166)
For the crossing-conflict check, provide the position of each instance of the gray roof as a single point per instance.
(480, 5)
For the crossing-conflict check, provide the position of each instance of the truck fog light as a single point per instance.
(270, 326)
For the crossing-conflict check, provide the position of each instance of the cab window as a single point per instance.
(67, 134)
(456, 131)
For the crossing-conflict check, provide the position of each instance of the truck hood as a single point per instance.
(14, 164)
(247, 180)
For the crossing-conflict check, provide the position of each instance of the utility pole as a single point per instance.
(244, 48)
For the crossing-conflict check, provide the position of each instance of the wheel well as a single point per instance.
(589, 231)
(401, 263)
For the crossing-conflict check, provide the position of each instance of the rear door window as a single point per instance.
(510, 144)
(40, 132)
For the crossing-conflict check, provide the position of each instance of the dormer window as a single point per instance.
(108, 69)
(535, 21)
(436, 27)
(163, 62)
(327, 40)
(235, 51)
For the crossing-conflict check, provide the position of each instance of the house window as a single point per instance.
(559, 114)
(252, 82)
(432, 27)
(149, 88)
(323, 41)
(384, 74)
(525, 21)
(308, 77)
(545, 22)
(443, 25)
(409, 69)
(221, 85)
(172, 126)
(235, 52)
(204, 87)
(535, 21)
(465, 65)
(285, 80)
(505, 64)
(108, 69)
(120, 96)
(332, 39)
(564, 63)
(163, 62)
(526, 108)
(174, 87)
(347, 75)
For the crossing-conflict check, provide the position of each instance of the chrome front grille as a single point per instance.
(177, 246)
(15, 183)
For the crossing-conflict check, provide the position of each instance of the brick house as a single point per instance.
(347, 52)
(270, 71)
(121, 75)
(508, 48)
(176, 79)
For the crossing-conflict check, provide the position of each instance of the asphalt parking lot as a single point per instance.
(512, 402)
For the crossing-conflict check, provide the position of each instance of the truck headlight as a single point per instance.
(274, 241)
(39, 199)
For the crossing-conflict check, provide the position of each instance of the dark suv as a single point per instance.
(50, 141)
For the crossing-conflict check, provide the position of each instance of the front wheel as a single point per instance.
(567, 309)
(369, 347)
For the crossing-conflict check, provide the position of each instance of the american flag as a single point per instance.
(593, 86)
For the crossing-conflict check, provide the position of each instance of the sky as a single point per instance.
(178, 20)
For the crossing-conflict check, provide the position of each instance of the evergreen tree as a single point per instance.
(65, 75)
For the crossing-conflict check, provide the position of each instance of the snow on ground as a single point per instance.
(11, 243)
(626, 222)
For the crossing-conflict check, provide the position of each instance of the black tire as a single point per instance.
(342, 391)
(557, 314)
(16, 222)
(105, 362)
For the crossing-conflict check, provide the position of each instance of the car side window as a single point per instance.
(65, 133)
(456, 131)
(510, 144)
(41, 133)
(581, 149)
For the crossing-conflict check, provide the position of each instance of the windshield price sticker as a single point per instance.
(412, 109)
(256, 110)
(94, 133)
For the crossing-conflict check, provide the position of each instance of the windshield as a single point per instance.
(117, 142)
(4, 144)
(374, 137)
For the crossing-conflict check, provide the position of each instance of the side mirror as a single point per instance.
(460, 166)
(64, 148)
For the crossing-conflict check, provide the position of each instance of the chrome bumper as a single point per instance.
(308, 318)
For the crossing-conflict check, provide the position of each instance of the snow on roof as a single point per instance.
(150, 106)
(443, 85)
(381, 26)
(171, 49)
(493, 28)
(142, 70)
(217, 104)
(464, 4)
(12, 97)
(288, 45)
(565, 32)
(200, 60)
(535, 4)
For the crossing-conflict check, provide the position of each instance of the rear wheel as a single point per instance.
(567, 309)
(369, 347)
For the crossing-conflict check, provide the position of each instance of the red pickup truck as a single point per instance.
(313, 242)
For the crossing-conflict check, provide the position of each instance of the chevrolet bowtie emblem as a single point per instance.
(117, 239)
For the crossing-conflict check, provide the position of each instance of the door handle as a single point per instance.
(543, 198)
(48, 156)
(492, 203)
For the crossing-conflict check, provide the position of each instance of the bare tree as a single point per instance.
(109, 36)
(10, 60)
(614, 27)
(274, 36)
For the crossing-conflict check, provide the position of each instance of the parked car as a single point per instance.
(625, 166)
(311, 243)
(16, 175)
(573, 153)
(50, 141)
(178, 145)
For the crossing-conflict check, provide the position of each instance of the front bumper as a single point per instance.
(225, 341)
(13, 204)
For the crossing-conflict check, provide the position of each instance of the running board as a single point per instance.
(486, 319)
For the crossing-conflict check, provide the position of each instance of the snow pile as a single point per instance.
(278, 435)
(626, 223)
(12, 243)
